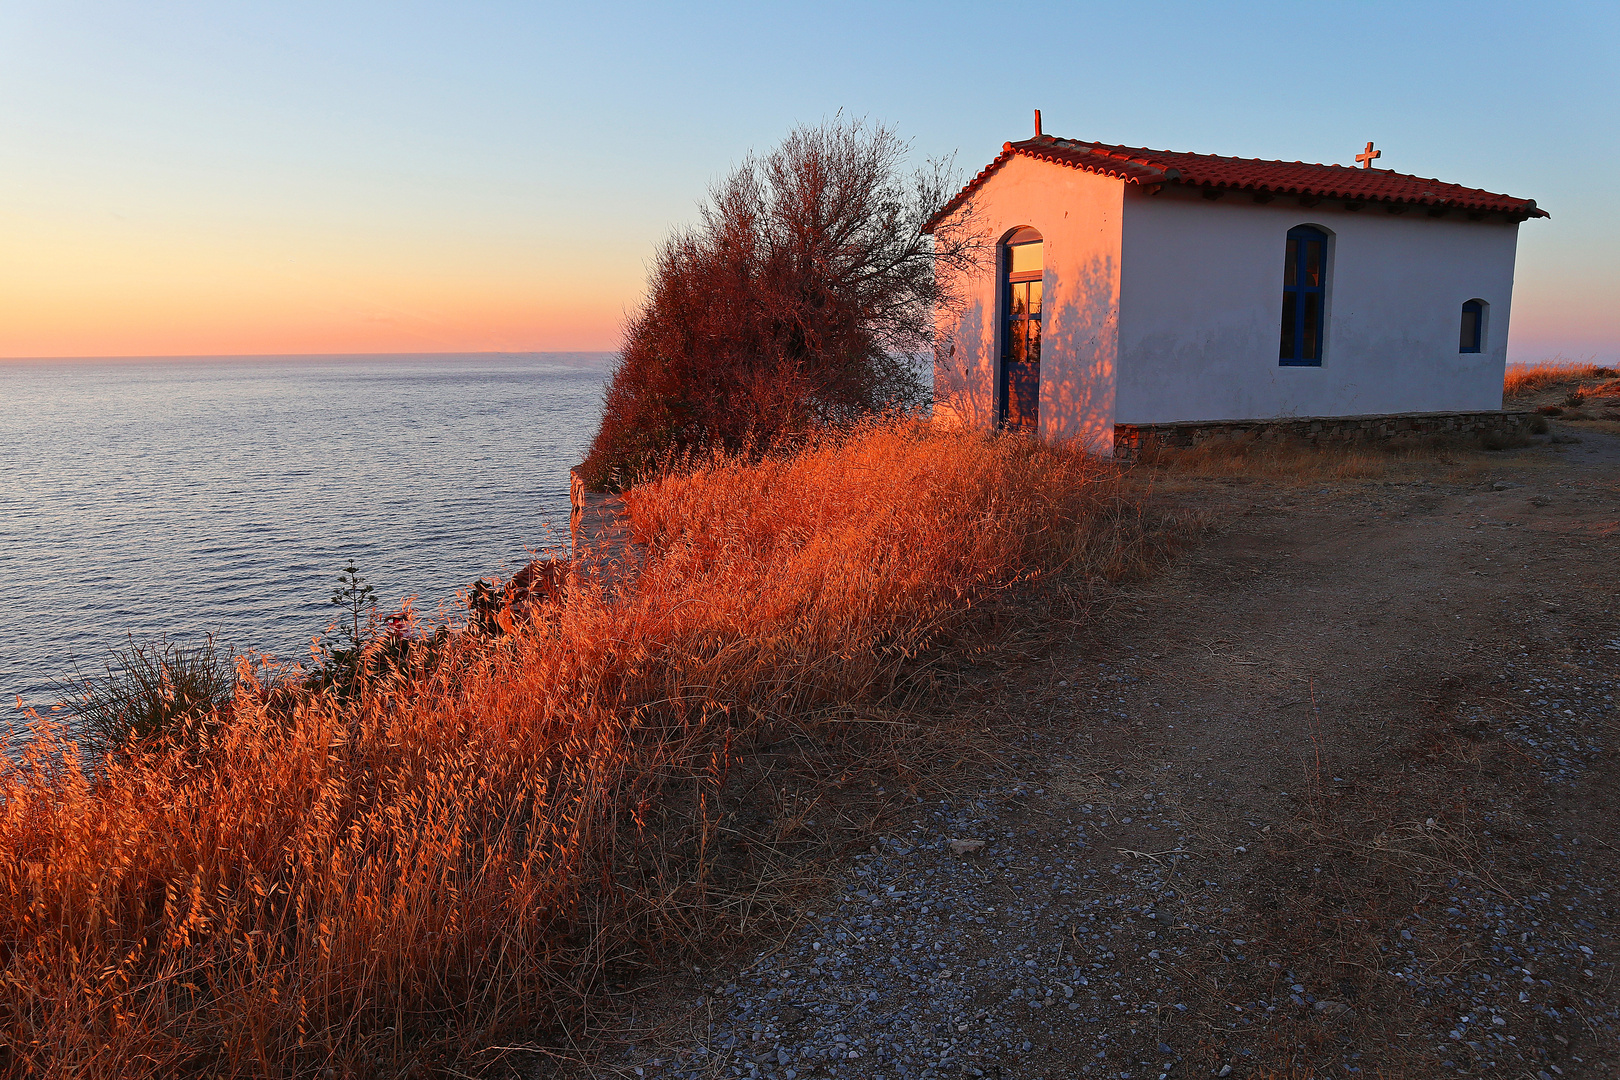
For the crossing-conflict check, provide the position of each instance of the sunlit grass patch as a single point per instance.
(1523, 380)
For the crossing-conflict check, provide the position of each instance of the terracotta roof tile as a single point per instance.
(1146, 167)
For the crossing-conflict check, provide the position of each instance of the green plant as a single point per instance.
(356, 597)
(341, 668)
(375, 645)
(151, 691)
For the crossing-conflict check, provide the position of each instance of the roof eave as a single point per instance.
(1032, 149)
(1519, 212)
(1131, 169)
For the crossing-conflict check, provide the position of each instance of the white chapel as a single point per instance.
(1139, 287)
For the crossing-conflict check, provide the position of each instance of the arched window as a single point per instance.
(1021, 331)
(1473, 326)
(1304, 311)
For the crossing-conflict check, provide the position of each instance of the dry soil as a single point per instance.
(1335, 795)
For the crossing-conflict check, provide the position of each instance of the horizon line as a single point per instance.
(308, 355)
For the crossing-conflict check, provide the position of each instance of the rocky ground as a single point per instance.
(1333, 797)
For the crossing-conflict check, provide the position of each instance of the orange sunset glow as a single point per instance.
(117, 294)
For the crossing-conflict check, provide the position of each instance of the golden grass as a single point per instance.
(1523, 380)
(391, 886)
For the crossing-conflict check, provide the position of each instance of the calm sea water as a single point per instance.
(179, 497)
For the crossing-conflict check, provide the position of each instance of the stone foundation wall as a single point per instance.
(1130, 439)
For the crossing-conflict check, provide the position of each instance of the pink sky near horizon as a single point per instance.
(174, 287)
(412, 318)
(204, 308)
(426, 320)
(165, 295)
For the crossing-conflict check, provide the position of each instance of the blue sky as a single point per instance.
(250, 177)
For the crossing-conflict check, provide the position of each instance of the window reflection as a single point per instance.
(1313, 263)
(1026, 258)
(1021, 333)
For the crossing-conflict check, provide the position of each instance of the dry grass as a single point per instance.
(395, 885)
(1295, 462)
(1523, 380)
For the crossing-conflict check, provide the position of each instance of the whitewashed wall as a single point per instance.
(1167, 307)
(1201, 306)
(1078, 215)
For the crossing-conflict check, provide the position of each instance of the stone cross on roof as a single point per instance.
(1367, 155)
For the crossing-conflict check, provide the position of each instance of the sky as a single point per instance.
(275, 178)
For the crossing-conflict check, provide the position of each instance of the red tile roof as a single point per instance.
(1153, 167)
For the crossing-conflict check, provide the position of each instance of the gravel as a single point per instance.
(934, 964)
(1079, 940)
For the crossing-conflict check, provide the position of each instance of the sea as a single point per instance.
(169, 499)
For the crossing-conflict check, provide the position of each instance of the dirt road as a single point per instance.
(1335, 796)
(1384, 714)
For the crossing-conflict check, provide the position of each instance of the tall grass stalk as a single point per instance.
(449, 859)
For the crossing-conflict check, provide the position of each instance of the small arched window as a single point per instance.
(1021, 331)
(1304, 312)
(1473, 326)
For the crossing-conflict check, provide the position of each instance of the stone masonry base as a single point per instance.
(1131, 439)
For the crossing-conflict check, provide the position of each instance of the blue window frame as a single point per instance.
(1304, 311)
(1473, 326)
(1022, 261)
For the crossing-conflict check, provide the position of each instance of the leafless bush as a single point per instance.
(804, 296)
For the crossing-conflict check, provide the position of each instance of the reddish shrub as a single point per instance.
(805, 296)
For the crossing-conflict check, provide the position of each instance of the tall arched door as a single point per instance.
(1020, 389)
